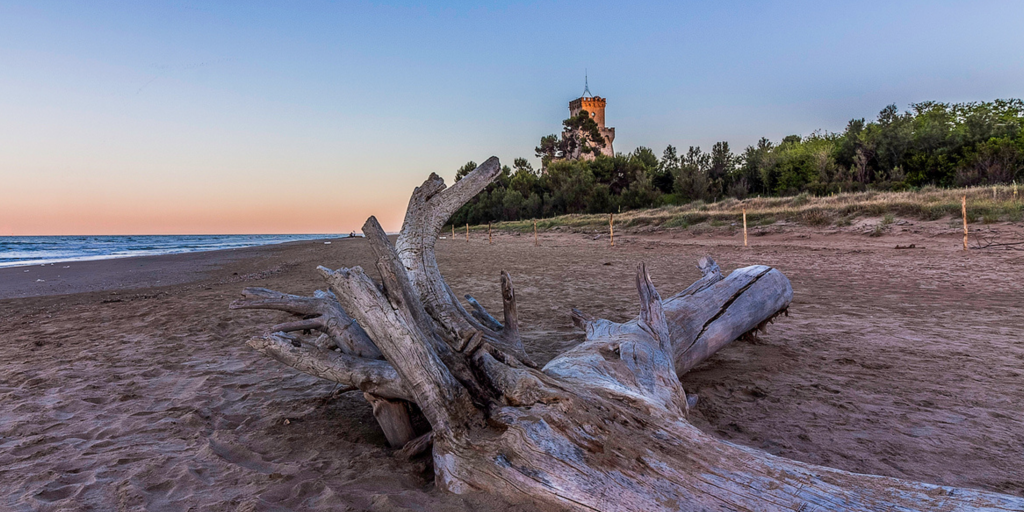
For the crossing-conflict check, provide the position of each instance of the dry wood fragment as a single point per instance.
(393, 418)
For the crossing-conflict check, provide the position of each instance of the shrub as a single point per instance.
(816, 218)
(679, 221)
(1014, 213)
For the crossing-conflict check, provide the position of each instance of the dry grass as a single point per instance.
(928, 203)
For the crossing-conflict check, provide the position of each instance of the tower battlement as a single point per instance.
(594, 105)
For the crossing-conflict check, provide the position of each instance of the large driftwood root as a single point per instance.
(600, 427)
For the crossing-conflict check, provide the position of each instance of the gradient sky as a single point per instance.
(307, 117)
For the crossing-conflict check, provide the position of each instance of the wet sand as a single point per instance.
(129, 273)
(134, 390)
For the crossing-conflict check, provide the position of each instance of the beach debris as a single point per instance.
(602, 426)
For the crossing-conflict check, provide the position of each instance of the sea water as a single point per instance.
(40, 250)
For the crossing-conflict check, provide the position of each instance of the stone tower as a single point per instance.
(594, 105)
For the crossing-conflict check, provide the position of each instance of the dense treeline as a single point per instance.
(933, 143)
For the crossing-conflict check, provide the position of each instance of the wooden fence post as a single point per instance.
(744, 226)
(488, 233)
(611, 227)
(467, 231)
(535, 243)
(963, 208)
(453, 231)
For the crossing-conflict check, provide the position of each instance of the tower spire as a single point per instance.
(586, 84)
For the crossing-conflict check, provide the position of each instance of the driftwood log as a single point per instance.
(603, 426)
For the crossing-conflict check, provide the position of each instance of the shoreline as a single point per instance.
(127, 272)
(140, 272)
(143, 253)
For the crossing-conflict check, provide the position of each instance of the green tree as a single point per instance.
(525, 182)
(644, 157)
(464, 170)
(512, 203)
(997, 160)
(522, 165)
(534, 206)
(572, 186)
(668, 168)
(693, 182)
(641, 193)
(756, 166)
(548, 149)
(894, 138)
(722, 161)
(580, 136)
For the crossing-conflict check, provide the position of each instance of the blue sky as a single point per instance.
(153, 117)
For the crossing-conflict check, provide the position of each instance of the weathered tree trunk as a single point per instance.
(602, 426)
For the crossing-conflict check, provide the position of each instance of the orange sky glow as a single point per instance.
(60, 205)
(293, 118)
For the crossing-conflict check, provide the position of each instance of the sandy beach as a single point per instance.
(127, 385)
